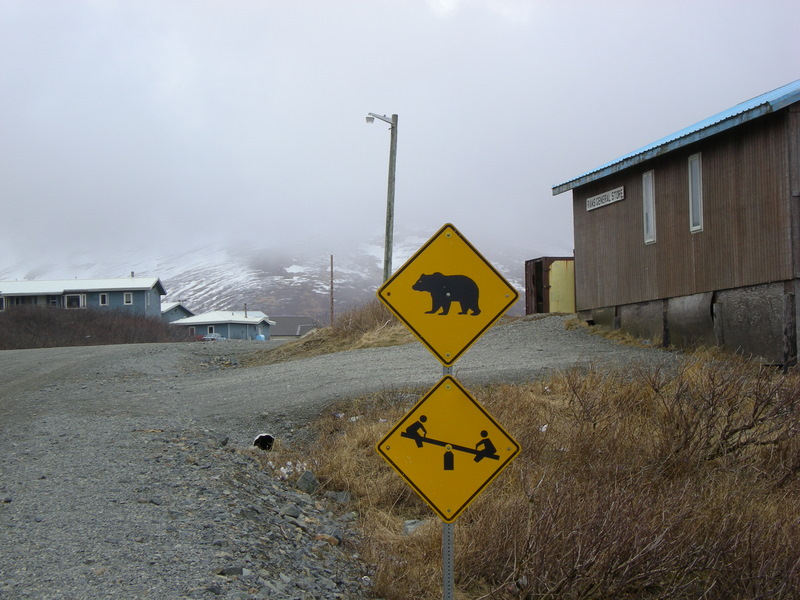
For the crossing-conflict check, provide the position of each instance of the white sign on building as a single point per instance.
(614, 195)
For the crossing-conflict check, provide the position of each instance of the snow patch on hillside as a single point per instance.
(287, 281)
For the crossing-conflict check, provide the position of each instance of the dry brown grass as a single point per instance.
(642, 484)
(616, 335)
(367, 326)
(635, 484)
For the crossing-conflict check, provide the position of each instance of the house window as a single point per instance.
(128, 298)
(211, 329)
(103, 299)
(695, 193)
(649, 208)
(2, 303)
(74, 301)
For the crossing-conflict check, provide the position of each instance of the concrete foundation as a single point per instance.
(758, 320)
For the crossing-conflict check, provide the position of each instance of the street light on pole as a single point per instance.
(387, 250)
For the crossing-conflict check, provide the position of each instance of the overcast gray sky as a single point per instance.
(156, 124)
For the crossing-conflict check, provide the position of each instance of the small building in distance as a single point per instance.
(288, 328)
(230, 324)
(172, 311)
(550, 285)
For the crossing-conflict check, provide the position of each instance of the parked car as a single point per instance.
(212, 337)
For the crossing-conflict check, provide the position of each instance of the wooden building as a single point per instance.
(696, 237)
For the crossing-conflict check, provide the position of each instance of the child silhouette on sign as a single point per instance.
(485, 448)
(413, 431)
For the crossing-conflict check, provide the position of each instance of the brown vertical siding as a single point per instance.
(746, 237)
(793, 191)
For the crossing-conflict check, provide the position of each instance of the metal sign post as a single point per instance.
(448, 544)
(448, 448)
(448, 560)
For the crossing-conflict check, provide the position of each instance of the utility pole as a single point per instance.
(331, 290)
(389, 237)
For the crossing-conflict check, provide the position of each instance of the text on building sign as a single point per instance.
(614, 195)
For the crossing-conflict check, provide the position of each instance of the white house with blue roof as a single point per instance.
(230, 324)
(696, 236)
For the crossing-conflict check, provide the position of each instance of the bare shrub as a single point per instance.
(732, 411)
(635, 484)
(346, 448)
(46, 327)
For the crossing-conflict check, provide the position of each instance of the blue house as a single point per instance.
(138, 295)
(230, 324)
(173, 311)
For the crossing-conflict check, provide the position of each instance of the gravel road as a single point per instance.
(121, 471)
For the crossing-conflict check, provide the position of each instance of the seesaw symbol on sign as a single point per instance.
(483, 449)
(448, 448)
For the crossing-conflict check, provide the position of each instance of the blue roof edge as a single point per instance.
(733, 117)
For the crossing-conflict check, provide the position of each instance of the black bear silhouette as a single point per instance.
(445, 289)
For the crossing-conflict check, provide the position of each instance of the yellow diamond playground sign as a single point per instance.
(447, 294)
(448, 448)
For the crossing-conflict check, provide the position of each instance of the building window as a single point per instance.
(128, 298)
(2, 303)
(103, 299)
(74, 301)
(649, 208)
(695, 193)
(211, 329)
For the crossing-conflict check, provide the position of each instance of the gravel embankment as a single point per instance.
(121, 471)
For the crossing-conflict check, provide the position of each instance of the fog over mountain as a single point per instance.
(148, 127)
(282, 281)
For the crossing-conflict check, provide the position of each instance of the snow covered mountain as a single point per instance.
(278, 281)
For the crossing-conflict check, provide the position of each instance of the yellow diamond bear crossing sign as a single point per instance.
(447, 294)
(448, 448)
